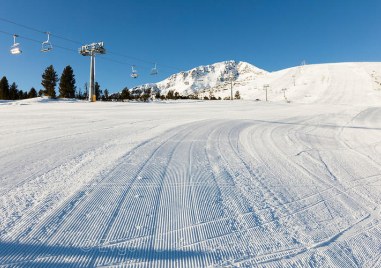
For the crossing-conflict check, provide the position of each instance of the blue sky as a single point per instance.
(180, 35)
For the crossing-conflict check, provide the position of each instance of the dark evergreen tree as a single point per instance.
(4, 88)
(170, 95)
(13, 92)
(106, 94)
(67, 83)
(40, 93)
(98, 91)
(20, 94)
(32, 93)
(49, 81)
(125, 95)
(146, 95)
(78, 94)
(114, 97)
(86, 92)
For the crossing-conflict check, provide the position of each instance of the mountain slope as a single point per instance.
(336, 83)
(211, 77)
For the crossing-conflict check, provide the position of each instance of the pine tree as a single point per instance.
(170, 95)
(146, 95)
(21, 95)
(98, 91)
(86, 92)
(13, 92)
(106, 94)
(40, 93)
(125, 95)
(32, 93)
(49, 81)
(79, 94)
(4, 88)
(67, 83)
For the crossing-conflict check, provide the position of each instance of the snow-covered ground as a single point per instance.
(335, 83)
(194, 183)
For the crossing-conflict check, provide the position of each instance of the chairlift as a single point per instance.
(134, 73)
(154, 70)
(46, 46)
(15, 48)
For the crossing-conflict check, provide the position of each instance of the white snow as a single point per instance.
(338, 83)
(198, 183)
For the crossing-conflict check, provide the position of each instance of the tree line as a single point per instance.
(67, 89)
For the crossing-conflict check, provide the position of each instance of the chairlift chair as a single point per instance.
(134, 73)
(15, 48)
(46, 46)
(154, 70)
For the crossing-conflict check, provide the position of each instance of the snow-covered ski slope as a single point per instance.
(338, 83)
(195, 183)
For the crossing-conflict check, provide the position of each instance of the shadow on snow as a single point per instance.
(65, 256)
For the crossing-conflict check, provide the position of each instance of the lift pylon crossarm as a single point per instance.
(96, 48)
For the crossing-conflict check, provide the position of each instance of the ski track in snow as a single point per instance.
(199, 184)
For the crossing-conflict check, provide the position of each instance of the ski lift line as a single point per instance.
(141, 60)
(21, 25)
(39, 31)
(102, 57)
(145, 61)
(67, 39)
(68, 49)
(37, 41)
(80, 43)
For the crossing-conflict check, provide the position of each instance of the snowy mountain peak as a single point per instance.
(305, 83)
(207, 77)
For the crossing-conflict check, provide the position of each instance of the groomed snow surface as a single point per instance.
(196, 183)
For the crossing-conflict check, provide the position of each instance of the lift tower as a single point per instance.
(91, 50)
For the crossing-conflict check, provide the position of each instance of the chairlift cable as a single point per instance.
(80, 43)
(37, 41)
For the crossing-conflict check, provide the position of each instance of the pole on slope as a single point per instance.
(92, 96)
(265, 87)
(231, 86)
(91, 50)
(284, 93)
